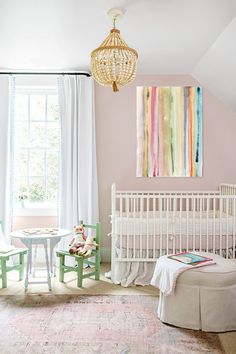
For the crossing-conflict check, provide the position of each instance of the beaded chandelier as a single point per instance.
(114, 63)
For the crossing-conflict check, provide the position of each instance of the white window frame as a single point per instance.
(35, 209)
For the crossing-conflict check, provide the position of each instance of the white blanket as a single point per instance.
(167, 271)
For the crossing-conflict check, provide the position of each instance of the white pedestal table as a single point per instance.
(40, 239)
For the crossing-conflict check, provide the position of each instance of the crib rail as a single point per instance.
(148, 224)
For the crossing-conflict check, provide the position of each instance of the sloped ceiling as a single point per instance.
(171, 36)
(216, 70)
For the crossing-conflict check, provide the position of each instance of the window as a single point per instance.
(36, 150)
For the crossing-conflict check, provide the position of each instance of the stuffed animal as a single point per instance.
(89, 245)
(79, 229)
(78, 241)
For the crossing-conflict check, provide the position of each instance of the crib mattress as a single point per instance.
(175, 223)
(174, 243)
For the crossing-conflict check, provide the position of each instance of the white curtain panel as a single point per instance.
(5, 157)
(78, 185)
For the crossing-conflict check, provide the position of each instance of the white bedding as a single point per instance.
(191, 223)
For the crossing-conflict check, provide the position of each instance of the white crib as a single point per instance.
(148, 224)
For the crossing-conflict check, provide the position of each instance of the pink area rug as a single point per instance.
(106, 324)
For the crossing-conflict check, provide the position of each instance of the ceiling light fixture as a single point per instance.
(114, 63)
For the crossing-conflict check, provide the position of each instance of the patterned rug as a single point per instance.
(106, 324)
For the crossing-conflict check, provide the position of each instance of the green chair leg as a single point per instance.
(62, 263)
(21, 269)
(97, 266)
(80, 272)
(4, 273)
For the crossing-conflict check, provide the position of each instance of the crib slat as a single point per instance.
(167, 225)
(200, 223)
(160, 225)
(207, 224)
(234, 217)
(141, 228)
(221, 206)
(180, 223)
(194, 207)
(147, 240)
(214, 225)
(134, 227)
(127, 215)
(173, 225)
(121, 227)
(154, 228)
(187, 215)
(227, 227)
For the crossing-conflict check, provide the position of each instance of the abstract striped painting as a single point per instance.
(169, 132)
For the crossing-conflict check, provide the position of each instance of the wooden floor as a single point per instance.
(93, 287)
(90, 286)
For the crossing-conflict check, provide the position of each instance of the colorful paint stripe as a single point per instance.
(169, 131)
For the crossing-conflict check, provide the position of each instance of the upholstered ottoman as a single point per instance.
(205, 298)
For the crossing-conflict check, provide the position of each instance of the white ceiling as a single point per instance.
(171, 36)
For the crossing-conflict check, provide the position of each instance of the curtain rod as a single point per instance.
(43, 73)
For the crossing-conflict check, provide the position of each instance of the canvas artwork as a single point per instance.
(169, 131)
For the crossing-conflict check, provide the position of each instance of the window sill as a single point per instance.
(35, 212)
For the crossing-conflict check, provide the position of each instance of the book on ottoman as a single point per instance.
(190, 258)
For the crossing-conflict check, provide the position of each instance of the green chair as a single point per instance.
(81, 260)
(4, 257)
(4, 268)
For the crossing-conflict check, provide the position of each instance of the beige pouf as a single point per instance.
(205, 298)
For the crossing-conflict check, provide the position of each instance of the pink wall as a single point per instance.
(23, 222)
(116, 144)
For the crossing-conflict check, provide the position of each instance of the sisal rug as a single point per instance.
(105, 324)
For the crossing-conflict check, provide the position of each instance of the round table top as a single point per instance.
(40, 233)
